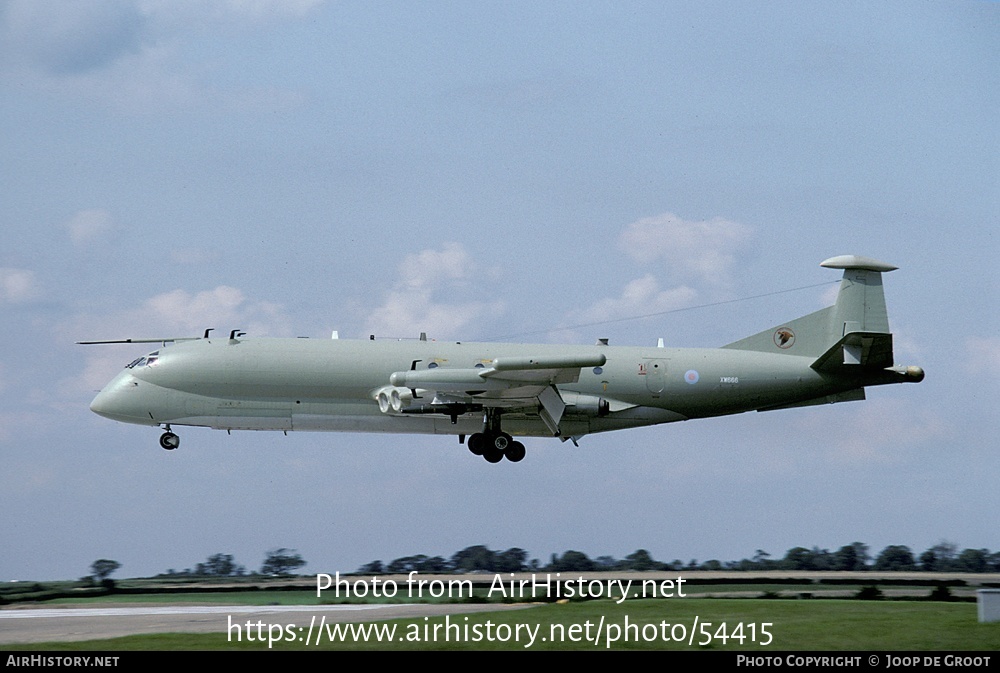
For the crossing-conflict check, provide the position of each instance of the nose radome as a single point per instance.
(118, 401)
(102, 405)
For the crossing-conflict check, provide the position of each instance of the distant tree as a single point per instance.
(281, 562)
(514, 560)
(761, 560)
(929, 561)
(822, 558)
(434, 564)
(713, 564)
(798, 558)
(478, 557)
(572, 561)
(101, 569)
(405, 564)
(219, 565)
(640, 559)
(852, 556)
(973, 560)
(373, 568)
(607, 562)
(845, 558)
(895, 557)
(942, 557)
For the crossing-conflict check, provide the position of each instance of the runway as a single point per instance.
(41, 625)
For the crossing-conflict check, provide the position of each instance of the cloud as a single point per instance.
(17, 286)
(177, 313)
(694, 250)
(412, 306)
(88, 225)
(63, 38)
(133, 55)
(640, 297)
(225, 308)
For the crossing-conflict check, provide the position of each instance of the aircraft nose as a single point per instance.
(118, 401)
(103, 404)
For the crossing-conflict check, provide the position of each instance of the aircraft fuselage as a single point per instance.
(312, 384)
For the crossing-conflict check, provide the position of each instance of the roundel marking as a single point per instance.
(691, 376)
(784, 337)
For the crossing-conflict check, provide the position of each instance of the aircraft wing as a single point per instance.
(505, 382)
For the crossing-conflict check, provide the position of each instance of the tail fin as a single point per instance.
(854, 331)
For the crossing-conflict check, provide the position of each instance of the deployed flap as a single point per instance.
(865, 349)
(551, 409)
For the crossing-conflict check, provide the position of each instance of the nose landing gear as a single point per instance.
(169, 440)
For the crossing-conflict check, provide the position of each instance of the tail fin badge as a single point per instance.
(784, 337)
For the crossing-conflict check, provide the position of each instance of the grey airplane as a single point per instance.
(488, 393)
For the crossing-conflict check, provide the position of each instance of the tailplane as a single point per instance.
(854, 331)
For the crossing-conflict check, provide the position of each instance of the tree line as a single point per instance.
(942, 557)
(277, 563)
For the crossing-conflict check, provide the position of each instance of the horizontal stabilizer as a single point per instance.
(871, 350)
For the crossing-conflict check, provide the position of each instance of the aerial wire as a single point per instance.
(659, 313)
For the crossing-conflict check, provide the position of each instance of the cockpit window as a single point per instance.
(144, 361)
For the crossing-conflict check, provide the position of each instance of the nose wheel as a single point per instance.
(169, 440)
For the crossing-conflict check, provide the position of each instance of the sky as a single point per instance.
(516, 171)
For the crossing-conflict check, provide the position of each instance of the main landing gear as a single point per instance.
(169, 440)
(494, 444)
(495, 448)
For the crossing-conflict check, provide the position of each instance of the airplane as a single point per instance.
(491, 392)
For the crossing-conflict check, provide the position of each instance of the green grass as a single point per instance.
(834, 625)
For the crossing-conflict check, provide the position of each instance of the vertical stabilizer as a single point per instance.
(860, 304)
(860, 308)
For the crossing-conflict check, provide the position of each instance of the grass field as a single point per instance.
(792, 625)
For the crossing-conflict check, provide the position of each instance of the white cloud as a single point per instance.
(177, 313)
(224, 308)
(639, 297)
(17, 286)
(411, 305)
(694, 250)
(88, 225)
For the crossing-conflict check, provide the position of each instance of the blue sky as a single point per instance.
(480, 171)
